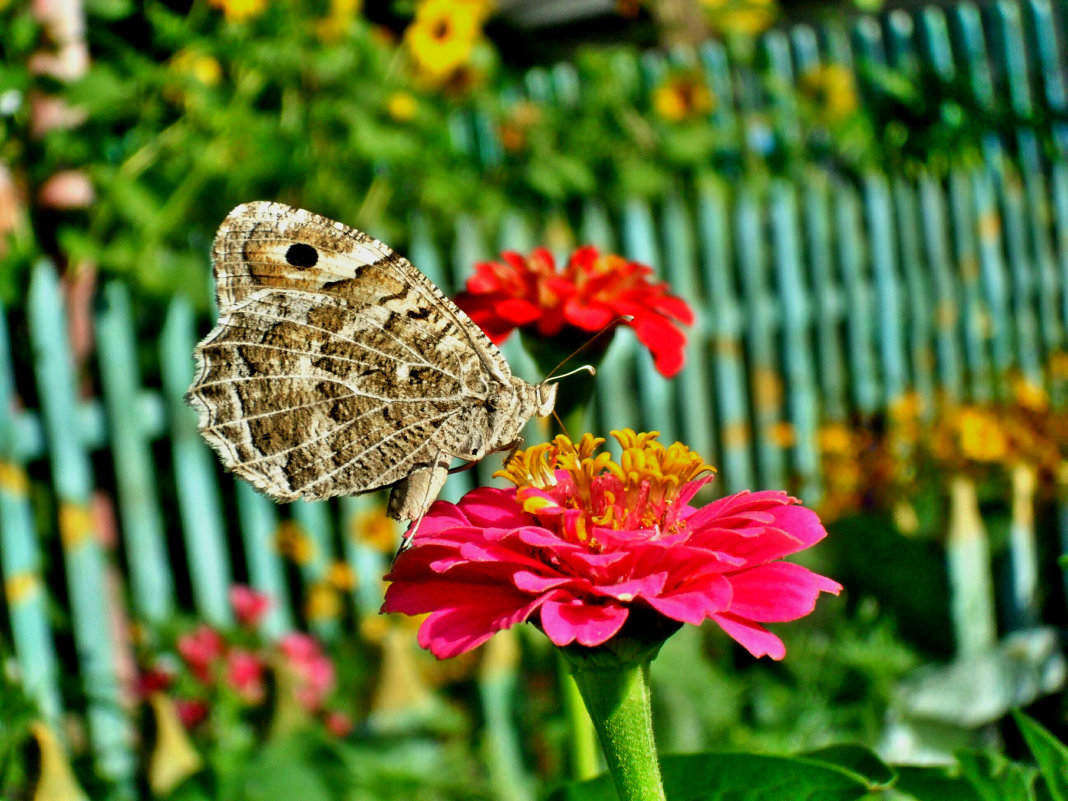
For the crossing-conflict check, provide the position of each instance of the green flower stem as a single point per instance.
(585, 756)
(618, 701)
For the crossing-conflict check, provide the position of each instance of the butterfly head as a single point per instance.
(544, 399)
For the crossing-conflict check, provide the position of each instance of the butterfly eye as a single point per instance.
(302, 256)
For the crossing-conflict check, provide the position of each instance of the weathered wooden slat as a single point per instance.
(860, 318)
(258, 517)
(83, 555)
(20, 558)
(761, 311)
(945, 291)
(1039, 217)
(314, 521)
(682, 271)
(796, 313)
(1021, 272)
(937, 49)
(195, 473)
(989, 225)
(131, 449)
(828, 300)
(966, 256)
(887, 286)
(725, 349)
(367, 563)
(657, 395)
(916, 297)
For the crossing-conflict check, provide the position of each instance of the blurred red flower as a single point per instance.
(200, 648)
(249, 605)
(584, 542)
(190, 711)
(244, 674)
(591, 291)
(311, 667)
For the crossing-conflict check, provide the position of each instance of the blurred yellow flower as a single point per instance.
(337, 22)
(341, 576)
(292, 543)
(783, 434)
(740, 17)
(981, 436)
(682, 96)
(1029, 395)
(323, 602)
(835, 439)
(202, 67)
(401, 106)
(374, 529)
(239, 10)
(832, 90)
(443, 35)
(1058, 365)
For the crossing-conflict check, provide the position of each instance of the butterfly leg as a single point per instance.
(411, 496)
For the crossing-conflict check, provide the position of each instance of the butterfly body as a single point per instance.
(337, 368)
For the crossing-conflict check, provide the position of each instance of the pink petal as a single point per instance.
(755, 639)
(802, 523)
(694, 604)
(587, 624)
(778, 591)
(453, 631)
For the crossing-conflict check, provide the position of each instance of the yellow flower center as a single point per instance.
(634, 492)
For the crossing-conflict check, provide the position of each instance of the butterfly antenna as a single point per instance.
(623, 318)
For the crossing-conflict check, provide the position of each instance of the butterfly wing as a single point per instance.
(336, 367)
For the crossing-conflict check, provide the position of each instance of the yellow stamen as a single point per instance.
(650, 473)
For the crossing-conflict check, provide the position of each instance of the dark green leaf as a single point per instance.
(997, 778)
(1050, 754)
(737, 777)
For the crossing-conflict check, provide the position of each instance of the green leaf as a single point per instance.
(724, 776)
(933, 783)
(858, 760)
(1050, 754)
(997, 778)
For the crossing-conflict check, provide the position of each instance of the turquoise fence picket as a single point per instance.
(83, 554)
(25, 588)
(258, 516)
(682, 271)
(195, 472)
(724, 348)
(131, 445)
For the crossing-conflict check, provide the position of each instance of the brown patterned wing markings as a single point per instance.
(363, 376)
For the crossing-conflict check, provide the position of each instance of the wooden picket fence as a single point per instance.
(816, 300)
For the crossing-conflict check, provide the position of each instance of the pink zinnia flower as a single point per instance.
(584, 543)
(244, 673)
(312, 669)
(591, 291)
(200, 648)
(249, 606)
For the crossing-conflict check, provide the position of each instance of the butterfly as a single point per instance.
(337, 368)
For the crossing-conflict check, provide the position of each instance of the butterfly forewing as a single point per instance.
(337, 367)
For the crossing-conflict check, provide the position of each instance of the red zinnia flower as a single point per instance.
(589, 293)
(585, 541)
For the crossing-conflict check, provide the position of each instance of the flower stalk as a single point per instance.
(618, 700)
